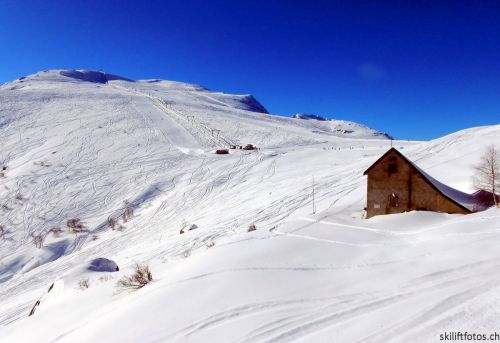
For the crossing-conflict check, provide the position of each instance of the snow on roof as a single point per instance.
(466, 200)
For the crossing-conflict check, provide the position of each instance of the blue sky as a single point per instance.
(415, 69)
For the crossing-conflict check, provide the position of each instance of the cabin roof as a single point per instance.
(468, 202)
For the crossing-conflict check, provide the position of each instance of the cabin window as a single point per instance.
(394, 200)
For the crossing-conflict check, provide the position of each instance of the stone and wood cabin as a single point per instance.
(396, 185)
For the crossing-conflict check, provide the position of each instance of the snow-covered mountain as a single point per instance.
(342, 128)
(134, 162)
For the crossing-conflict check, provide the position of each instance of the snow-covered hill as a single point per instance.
(93, 146)
(342, 128)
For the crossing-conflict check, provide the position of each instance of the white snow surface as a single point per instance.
(91, 146)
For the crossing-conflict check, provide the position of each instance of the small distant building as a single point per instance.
(396, 185)
(249, 147)
(222, 151)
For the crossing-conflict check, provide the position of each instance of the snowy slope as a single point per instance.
(341, 128)
(91, 146)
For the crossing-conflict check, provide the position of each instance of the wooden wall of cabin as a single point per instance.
(424, 197)
(382, 183)
(427, 198)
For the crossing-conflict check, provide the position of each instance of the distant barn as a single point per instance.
(395, 185)
(222, 151)
(249, 147)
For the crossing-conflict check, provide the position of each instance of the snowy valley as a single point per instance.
(134, 163)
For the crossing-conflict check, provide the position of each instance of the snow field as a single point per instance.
(91, 150)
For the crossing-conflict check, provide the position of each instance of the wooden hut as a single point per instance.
(249, 147)
(396, 185)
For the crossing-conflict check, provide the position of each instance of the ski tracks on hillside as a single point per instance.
(447, 293)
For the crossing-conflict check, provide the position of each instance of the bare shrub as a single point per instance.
(19, 197)
(38, 240)
(252, 227)
(2, 233)
(140, 278)
(75, 225)
(112, 223)
(487, 175)
(56, 231)
(84, 284)
(128, 214)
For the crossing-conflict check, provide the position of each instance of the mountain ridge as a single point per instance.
(244, 101)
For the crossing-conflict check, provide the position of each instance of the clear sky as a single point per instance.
(415, 69)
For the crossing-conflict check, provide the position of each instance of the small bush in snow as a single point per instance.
(38, 240)
(19, 197)
(56, 231)
(112, 223)
(128, 214)
(140, 278)
(75, 225)
(84, 284)
(2, 233)
(252, 227)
